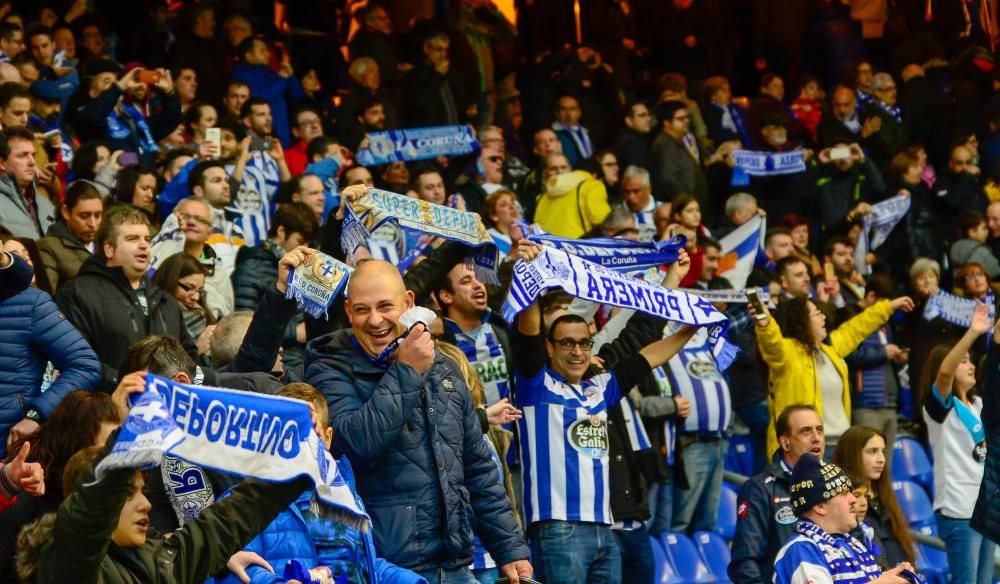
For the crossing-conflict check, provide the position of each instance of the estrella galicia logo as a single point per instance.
(785, 516)
(702, 369)
(148, 415)
(589, 436)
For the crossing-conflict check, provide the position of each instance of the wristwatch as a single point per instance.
(34, 415)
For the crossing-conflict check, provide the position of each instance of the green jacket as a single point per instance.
(81, 550)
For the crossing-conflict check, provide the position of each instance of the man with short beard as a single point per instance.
(46, 111)
(111, 301)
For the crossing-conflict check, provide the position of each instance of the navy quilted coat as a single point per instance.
(422, 466)
(33, 332)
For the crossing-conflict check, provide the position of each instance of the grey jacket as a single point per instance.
(14, 215)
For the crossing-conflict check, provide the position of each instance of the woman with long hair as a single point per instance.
(82, 419)
(183, 277)
(953, 414)
(861, 452)
(807, 367)
(685, 218)
(137, 186)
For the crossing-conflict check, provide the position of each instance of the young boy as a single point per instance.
(310, 532)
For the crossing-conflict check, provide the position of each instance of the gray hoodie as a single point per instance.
(964, 251)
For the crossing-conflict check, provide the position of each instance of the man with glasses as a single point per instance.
(632, 146)
(194, 220)
(565, 440)
(676, 158)
(637, 197)
(891, 136)
(307, 124)
(484, 177)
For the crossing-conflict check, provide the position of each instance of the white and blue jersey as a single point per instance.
(485, 353)
(670, 425)
(695, 375)
(481, 559)
(254, 197)
(564, 446)
(802, 561)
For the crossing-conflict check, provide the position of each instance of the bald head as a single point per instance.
(844, 102)
(376, 298)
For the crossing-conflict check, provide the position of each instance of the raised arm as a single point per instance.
(946, 372)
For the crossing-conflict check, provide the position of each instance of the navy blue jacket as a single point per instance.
(422, 464)
(32, 333)
(764, 523)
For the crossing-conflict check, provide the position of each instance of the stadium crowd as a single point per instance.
(169, 166)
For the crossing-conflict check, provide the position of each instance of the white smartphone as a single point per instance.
(840, 153)
(214, 135)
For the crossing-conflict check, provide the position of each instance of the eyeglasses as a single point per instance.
(309, 122)
(185, 217)
(189, 288)
(567, 344)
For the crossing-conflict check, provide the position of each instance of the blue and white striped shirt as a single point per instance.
(695, 376)
(564, 446)
(485, 353)
(254, 199)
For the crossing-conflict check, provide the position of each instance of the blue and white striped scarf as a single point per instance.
(377, 207)
(555, 268)
(955, 309)
(621, 255)
(876, 227)
(770, 163)
(250, 434)
(848, 561)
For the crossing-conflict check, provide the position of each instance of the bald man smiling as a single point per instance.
(405, 420)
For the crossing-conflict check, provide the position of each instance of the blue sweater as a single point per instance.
(282, 93)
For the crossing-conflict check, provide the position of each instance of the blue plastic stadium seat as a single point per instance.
(931, 562)
(915, 504)
(911, 463)
(725, 524)
(715, 552)
(665, 572)
(685, 558)
(739, 456)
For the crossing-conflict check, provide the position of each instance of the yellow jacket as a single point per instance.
(572, 204)
(792, 376)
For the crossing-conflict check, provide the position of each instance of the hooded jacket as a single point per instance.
(62, 254)
(423, 467)
(104, 307)
(764, 522)
(572, 204)
(14, 215)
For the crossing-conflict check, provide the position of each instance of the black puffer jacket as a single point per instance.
(423, 469)
(104, 307)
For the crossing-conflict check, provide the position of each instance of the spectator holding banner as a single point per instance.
(569, 520)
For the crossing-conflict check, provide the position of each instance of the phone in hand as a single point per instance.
(128, 159)
(214, 135)
(753, 297)
(149, 76)
(259, 144)
(829, 273)
(840, 153)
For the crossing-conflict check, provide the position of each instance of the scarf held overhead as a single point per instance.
(621, 255)
(876, 227)
(266, 437)
(770, 163)
(417, 144)
(555, 268)
(367, 213)
(315, 283)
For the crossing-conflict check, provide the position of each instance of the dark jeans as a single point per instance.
(572, 552)
(442, 576)
(637, 555)
(756, 417)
